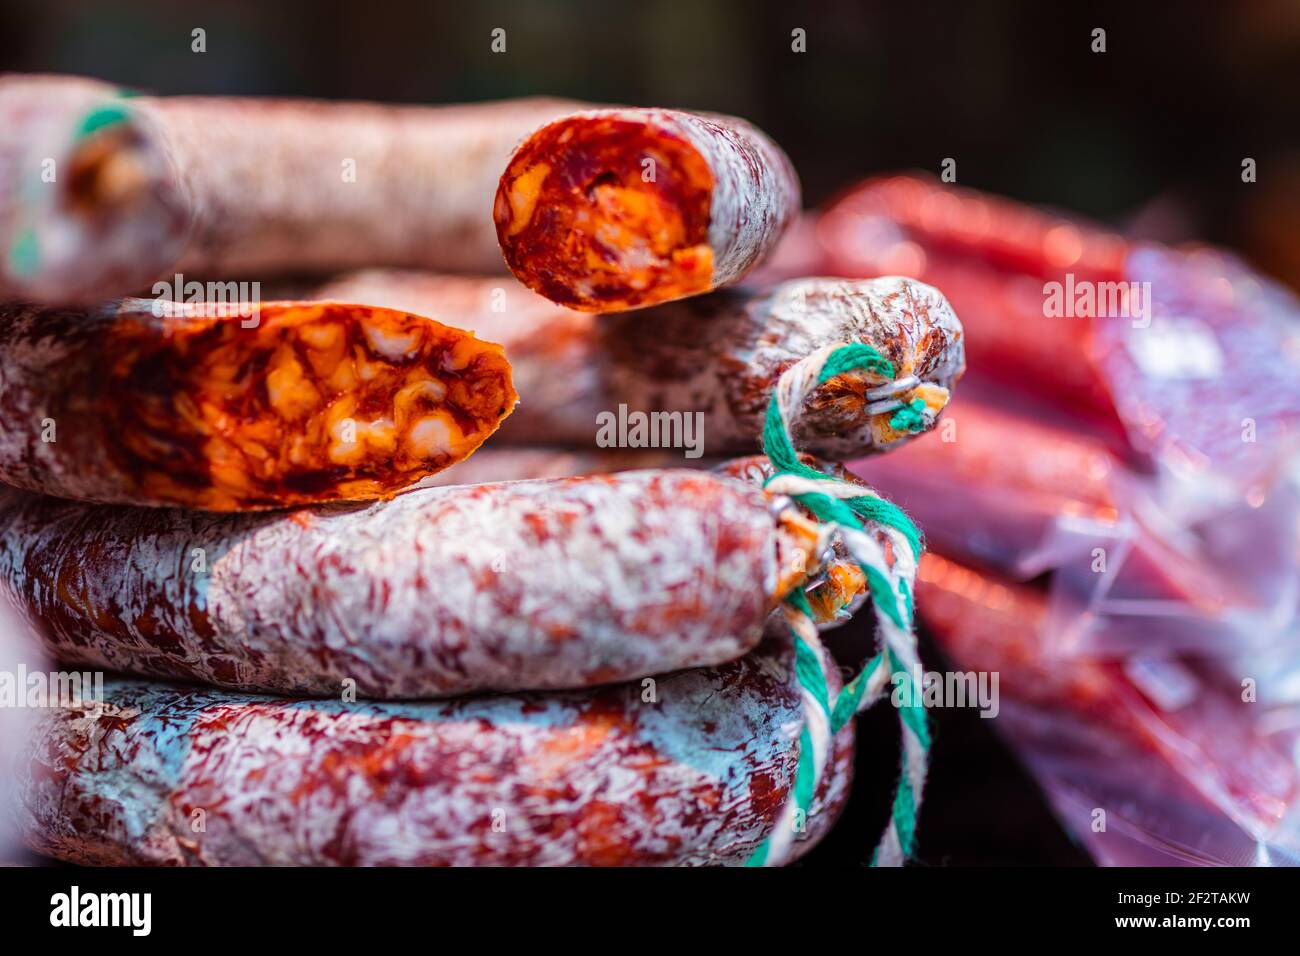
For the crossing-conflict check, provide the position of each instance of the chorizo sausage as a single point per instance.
(495, 464)
(617, 209)
(1043, 502)
(691, 769)
(834, 592)
(305, 402)
(522, 585)
(718, 355)
(991, 257)
(1211, 737)
(145, 187)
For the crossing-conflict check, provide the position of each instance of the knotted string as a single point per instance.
(850, 509)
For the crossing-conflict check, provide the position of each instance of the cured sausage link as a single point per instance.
(833, 593)
(145, 187)
(619, 209)
(690, 769)
(718, 355)
(521, 585)
(301, 403)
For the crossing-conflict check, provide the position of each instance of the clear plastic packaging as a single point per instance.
(1029, 497)
(1150, 759)
(1188, 357)
(1123, 460)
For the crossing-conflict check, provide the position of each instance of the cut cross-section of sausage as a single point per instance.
(618, 209)
(195, 406)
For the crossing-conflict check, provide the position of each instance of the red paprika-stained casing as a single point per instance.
(689, 769)
(442, 591)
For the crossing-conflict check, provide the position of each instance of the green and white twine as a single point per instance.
(855, 512)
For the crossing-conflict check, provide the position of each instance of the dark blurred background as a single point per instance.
(1148, 136)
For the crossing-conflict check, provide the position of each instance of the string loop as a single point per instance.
(861, 520)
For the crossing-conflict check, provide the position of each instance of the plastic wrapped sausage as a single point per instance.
(521, 585)
(1154, 739)
(991, 256)
(1028, 496)
(1138, 340)
(304, 402)
(1022, 506)
(618, 209)
(689, 769)
(718, 355)
(101, 194)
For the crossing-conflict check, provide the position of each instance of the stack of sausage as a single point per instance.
(471, 662)
(1112, 511)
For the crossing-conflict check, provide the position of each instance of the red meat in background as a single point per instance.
(1156, 742)
(1189, 357)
